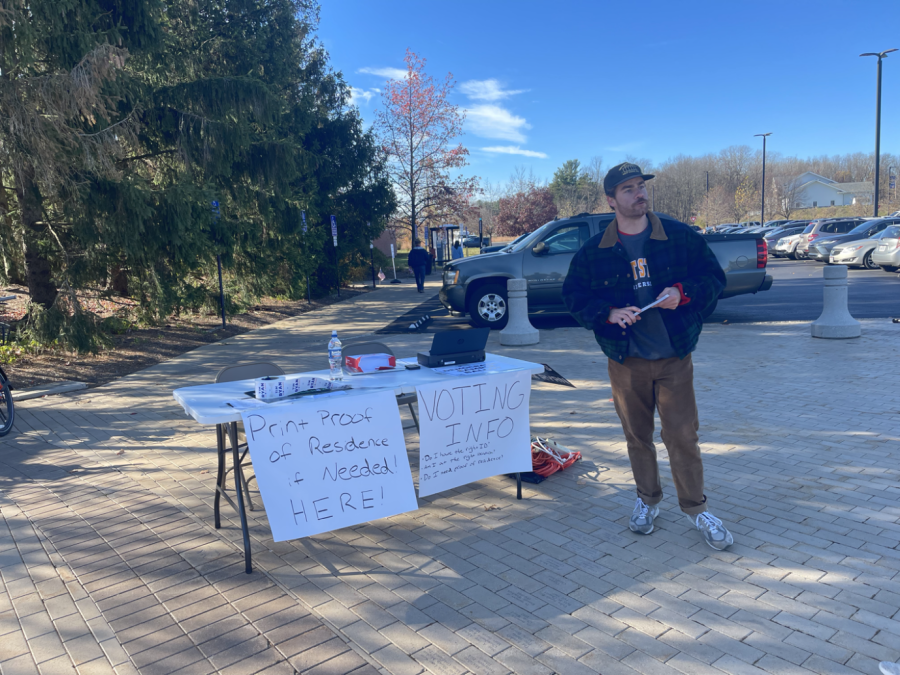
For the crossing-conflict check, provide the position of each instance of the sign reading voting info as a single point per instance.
(472, 428)
(329, 462)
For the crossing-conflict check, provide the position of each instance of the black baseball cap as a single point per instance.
(620, 173)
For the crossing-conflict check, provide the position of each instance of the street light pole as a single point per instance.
(762, 208)
(880, 55)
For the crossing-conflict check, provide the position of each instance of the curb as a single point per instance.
(47, 390)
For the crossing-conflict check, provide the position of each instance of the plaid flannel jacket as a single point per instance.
(600, 279)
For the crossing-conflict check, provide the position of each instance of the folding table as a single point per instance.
(206, 403)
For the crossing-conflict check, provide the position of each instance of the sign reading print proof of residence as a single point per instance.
(472, 428)
(331, 462)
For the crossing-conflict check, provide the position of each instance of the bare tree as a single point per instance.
(717, 207)
(417, 128)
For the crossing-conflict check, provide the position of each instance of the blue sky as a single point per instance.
(567, 79)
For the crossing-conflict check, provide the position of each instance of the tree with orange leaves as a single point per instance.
(417, 128)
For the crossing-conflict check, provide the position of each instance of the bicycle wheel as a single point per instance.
(7, 411)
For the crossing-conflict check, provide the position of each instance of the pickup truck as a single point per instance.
(477, 285)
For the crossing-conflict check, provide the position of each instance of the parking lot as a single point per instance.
(796, 295)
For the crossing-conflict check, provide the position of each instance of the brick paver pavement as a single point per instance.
(109, 561)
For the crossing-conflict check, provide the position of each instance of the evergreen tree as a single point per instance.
(230, 101)
(59, 86)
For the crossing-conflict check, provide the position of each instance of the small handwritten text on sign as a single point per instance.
(472, 428)
(328, 463)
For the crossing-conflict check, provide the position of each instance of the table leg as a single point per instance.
(220, 473)
(232, 436)
(518, 485)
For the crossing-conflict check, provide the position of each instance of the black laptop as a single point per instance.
(455, 347)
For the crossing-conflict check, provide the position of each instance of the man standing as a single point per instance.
(636, 261)
(417, 261)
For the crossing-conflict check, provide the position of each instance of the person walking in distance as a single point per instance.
(635, 261)
(418, 260)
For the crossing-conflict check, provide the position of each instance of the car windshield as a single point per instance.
(862, 227)
(892, 232)
(809, 228)
(526, 239)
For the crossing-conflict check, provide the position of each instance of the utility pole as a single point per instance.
(762, 208)
(881, 56)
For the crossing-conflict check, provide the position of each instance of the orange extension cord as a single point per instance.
(548, 457)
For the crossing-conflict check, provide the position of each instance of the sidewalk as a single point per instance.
(109, 561)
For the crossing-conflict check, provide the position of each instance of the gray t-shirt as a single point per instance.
(649, 337)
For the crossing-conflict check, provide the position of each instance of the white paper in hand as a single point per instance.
(654, 303)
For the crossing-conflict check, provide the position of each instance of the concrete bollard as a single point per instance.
(835, 321)
(519, 330)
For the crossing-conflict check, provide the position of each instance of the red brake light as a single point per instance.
(762, 253)
(811, 237)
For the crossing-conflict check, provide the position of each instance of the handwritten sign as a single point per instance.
(472, 428)
(329, 463)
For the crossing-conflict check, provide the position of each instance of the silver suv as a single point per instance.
(823, 226)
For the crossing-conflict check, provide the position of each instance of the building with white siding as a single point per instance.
(810, 190)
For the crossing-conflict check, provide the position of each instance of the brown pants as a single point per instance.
(640, 386)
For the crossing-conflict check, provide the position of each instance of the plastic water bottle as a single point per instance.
(334, 358)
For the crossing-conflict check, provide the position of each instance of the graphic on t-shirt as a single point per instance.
(641, 273)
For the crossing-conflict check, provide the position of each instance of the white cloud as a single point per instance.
(360, 97)
(487, 90)
(515, 150)
(492, 121)
(386, 73)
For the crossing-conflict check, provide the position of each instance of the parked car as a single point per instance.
(474, 241)
(477, 285)
(776, 223)
(887, 253)
(499, 247)
(774, 236)
(857, 253)
(762, 230)
(822, 247)
(820, 227)
(749, 223)
(787, 246)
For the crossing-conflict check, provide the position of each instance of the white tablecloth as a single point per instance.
(206, 403)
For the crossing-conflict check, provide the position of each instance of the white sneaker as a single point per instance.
(714, 532)
(888, 668)
(642, 517)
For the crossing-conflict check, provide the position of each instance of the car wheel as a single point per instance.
(488, 307)
(888, 268)
(868, 263)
